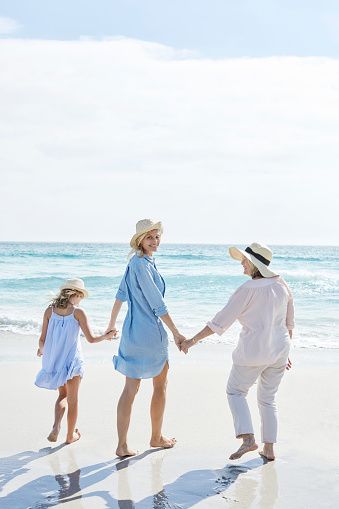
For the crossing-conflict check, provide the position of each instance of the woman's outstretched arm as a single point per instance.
(114, 315)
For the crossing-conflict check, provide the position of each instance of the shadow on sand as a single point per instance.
(183, 493)
(13, 466)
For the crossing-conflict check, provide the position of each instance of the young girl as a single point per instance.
(62, 360)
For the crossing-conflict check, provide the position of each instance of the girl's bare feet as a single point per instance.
(247, 446)
(267, 452)
(123, 451)
(165, 443)
(74, 438)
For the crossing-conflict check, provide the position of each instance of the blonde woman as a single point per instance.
(143, 349)
(264, 308)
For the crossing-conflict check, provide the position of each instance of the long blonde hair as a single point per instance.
(63, 298)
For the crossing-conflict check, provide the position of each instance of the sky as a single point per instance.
(220, 118)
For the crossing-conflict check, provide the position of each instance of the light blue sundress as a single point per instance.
(143, 349)
(62, 355)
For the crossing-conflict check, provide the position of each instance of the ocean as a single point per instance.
(199, 280)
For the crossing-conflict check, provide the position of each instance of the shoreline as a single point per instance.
(22, 347)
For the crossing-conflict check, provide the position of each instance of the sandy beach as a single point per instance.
(196, 473)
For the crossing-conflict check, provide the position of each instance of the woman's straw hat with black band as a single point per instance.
(258, 254)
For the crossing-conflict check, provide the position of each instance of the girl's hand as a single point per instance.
(110, 334)
(289, 364)
(39, 352)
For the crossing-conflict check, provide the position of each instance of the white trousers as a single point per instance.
(240, 380)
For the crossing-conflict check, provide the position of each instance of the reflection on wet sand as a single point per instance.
(187, 490)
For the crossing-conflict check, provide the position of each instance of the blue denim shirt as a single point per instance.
(143, 349)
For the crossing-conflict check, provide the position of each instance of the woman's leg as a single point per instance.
(240, 380)
(73, 433)
(124, 415)
(157, 411)
(59, 410)
(268, 384)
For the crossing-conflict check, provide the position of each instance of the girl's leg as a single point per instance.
(59, 410)
(73, 434)
(157, 411)
(124, 411)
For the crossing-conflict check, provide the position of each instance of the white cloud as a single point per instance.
(99, 133)
(8, 25)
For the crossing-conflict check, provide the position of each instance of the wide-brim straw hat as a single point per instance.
(143, 226)
(75, 284)
(259, 254)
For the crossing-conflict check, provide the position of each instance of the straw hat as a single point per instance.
(258, 254)
(143, 226)
(75, 284)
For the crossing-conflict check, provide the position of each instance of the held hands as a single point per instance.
(186, 345)
(179, 339)
(111, 333)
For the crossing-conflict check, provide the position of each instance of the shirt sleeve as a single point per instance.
(122, 290)
(290, 307)
(150, 290)
(228, 315)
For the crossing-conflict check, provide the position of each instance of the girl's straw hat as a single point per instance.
(75, 284)
(258, 254)
(143, 226)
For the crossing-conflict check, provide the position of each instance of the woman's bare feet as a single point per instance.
(74, 438)
(53, 436)
(165, 443)
(123, 451)
(247, 446)
(267, 452)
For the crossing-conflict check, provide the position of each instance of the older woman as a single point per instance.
(143, 349)
(264, 308)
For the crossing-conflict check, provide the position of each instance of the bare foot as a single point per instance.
(165, 443)
(76, 436)
(247, 446)
(52, 437)
(123, 451)
(267, 452)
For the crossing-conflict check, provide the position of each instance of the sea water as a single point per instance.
(199, 280)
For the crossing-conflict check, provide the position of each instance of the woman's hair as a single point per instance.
(61, 301)
(139, 250)
(255, 272)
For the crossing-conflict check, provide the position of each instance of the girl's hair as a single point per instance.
(255, 272)
(61, 301)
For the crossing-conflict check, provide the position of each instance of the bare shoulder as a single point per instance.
(79, 314)
(48, 312)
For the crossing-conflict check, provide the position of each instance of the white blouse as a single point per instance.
(264, 308)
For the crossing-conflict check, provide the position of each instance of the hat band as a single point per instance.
(257, 256)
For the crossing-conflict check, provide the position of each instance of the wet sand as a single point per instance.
(196, 473)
